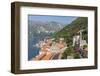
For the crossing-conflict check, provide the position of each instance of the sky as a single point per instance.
(48, 18)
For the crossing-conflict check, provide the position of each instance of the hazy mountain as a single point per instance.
(39, 30)
(46, 27)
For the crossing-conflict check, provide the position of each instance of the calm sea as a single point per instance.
(32, 51)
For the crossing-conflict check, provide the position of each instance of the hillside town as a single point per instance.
(53, 49)
(49, 49)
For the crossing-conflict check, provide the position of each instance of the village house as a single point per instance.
(49, 49)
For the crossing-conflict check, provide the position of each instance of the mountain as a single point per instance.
(38, 30)
(81, 23)
(46, 27)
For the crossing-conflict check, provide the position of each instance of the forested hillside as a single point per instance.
(81, 23)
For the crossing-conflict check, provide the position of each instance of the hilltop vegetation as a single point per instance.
(71, 29)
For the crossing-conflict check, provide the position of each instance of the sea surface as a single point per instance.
(32, 50)
(32, 41)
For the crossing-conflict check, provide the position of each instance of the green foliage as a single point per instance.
(64, 56)
(76, 55)
(85, 35)
(70, 30)
(85, 46)
(68, 52)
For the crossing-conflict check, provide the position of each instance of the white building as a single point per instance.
(78, 39)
